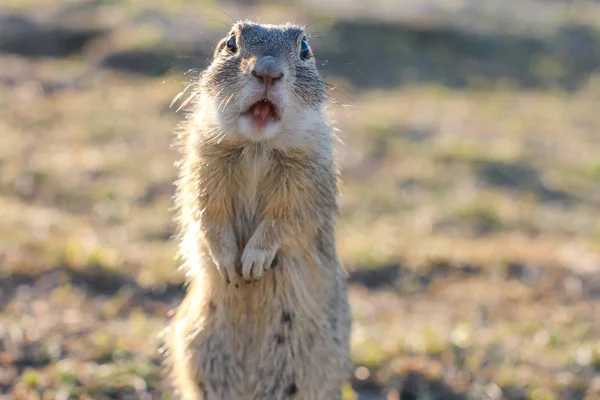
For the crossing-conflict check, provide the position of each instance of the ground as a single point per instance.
(470, 201)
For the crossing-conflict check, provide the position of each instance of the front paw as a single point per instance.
(225, 263)
(256, 260)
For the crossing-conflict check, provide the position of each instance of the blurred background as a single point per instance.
(470, 207)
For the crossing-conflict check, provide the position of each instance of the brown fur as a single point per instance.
(285, 332)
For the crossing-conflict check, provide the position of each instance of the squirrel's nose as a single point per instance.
(268, 70)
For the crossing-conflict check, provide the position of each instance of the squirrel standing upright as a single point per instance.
(266, 315)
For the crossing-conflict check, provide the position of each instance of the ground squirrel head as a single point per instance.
(263, 82)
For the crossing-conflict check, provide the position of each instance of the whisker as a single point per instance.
(221, 103)
(345, 107)
(219, 92)
(212, 138)
(177, 97)
(222, 22)
(228, 100)
(217, 95)
(240, 11)
(173, 66)
(335, 88)
(318, 20)
(191, 70)
(191, 115)
(315, 34)
(219, 138)
(180, 94)
(222, 11)
(187, 101)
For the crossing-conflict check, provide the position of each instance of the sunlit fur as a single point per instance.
(266, 315)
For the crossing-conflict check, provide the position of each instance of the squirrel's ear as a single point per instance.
(219, 47)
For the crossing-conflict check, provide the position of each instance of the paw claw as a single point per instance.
(274, 262)
(226, 267)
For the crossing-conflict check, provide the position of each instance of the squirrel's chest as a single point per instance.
(250, 197)
(252, 172)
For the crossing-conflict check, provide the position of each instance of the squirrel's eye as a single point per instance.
(232, 45)
(304, 50)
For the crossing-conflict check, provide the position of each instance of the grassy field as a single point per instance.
(470, 208)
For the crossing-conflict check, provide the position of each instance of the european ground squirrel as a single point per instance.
(266, 314)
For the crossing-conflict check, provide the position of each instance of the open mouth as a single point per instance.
(262, 112)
